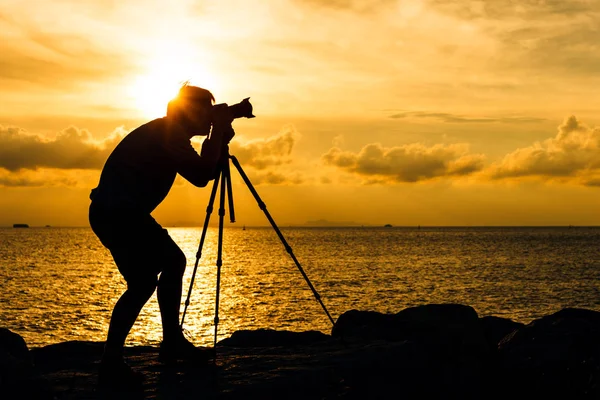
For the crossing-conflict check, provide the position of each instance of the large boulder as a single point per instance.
(557, 356)
(448, 339)
(495, 328)
(15, 360)
(14, 353)
(453, 325)
(66, 354)
(18, 379)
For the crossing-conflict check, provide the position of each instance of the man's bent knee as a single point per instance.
(143, 287)
(176, 263)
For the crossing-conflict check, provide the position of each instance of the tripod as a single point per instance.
(224, 176)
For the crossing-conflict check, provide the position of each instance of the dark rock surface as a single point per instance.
(431, 351)
(556, 356)
(274, 338)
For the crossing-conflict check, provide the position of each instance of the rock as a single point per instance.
(18, 378)
(66, 353)
(270, 338)
(14, 354)
(409, 323)
(556, 356)
(432, 351)
(450, 325)
(455, 326)
(448, 338)
(496, 328)
(368, 325)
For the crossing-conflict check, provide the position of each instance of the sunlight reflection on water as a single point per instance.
(60, 284)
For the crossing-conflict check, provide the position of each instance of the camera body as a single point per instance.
(241, 109)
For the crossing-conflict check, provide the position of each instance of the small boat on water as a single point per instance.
(20, 226)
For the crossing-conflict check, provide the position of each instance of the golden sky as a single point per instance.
(409, 112)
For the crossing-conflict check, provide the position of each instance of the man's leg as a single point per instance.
(169, 292)
(175, 346)
(123, 317)
(113, 369)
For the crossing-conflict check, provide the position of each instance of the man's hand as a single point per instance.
(221, 114)
(221, 120)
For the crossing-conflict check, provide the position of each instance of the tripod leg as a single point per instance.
(229, 192)
(209, 210)
(263, 207)
(224, 178)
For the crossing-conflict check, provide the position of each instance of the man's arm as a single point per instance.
(199, 170)
(196, 169)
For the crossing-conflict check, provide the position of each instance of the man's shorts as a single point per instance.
(141, 248)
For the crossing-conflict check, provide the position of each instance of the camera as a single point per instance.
(242, 109)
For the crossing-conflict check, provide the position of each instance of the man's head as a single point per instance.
(192, 109)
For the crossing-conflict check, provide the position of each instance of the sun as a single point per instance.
(152, 93)
(164, 73)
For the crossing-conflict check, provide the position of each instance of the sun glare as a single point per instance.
(169, 67)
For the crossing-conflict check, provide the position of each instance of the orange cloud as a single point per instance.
(454, 118)
(269, 160)
(351, 5)
(573, 154)
(408, 163)
(49, 177)
(73, 148)
(275, 178)
(263, 153)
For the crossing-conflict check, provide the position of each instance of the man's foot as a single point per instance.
(116, 374)
(182, 350)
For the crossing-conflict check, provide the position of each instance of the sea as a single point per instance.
(60, 284)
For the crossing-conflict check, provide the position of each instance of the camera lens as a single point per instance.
(242, 109)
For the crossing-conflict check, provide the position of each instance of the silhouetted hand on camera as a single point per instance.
(221, 134)
(221, 120)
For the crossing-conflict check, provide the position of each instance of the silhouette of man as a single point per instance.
(134, 181)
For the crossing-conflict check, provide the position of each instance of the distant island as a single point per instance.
(20, 226)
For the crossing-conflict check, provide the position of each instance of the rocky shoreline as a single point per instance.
(430, 351)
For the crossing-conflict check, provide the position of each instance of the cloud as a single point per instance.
(73, 148)
(59, 61)
(19, 180)
(571, 49)
(338, 141)
(269, 159)
(258, 178)
(408, 163)
(505, 9)
(48, 177)
(264, 153)
(574, 153)
(593, 182)
(540, 37)
(352, 5)
(453, 118)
